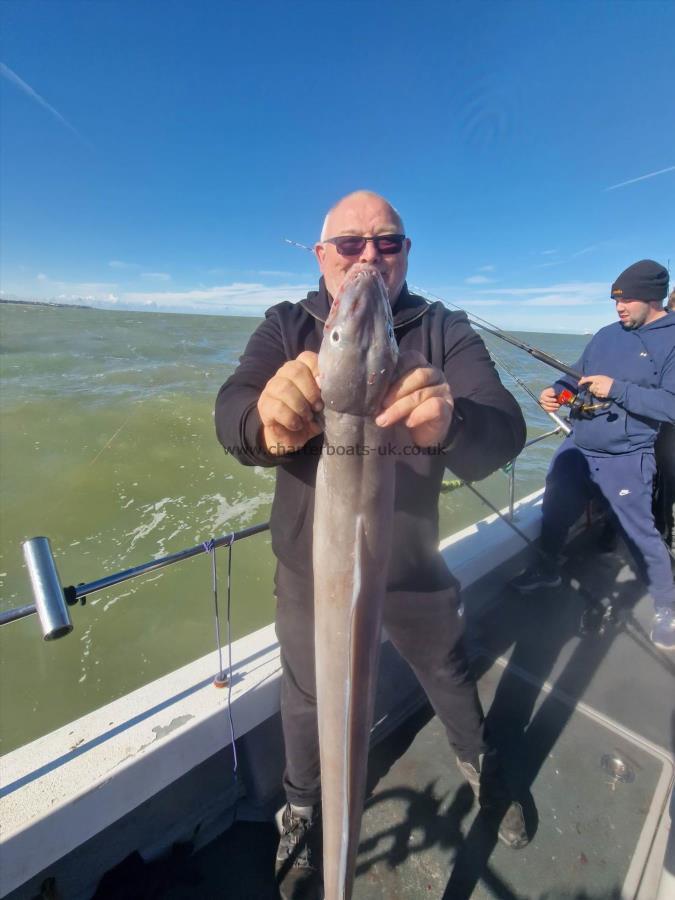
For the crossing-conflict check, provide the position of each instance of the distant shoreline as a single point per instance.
(236, 314)
(45, 303)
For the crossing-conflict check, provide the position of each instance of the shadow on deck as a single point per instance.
(563, 707)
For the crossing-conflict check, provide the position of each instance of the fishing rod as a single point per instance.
(561, 423)
(580, 406)
(577, 406)
(485, 326)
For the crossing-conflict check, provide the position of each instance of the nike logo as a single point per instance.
(623, 492)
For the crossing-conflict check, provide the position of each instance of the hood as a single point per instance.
(408, 306)
(666, 321)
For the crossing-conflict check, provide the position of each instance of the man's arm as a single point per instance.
(654, 403)
(264, 409)
(488, 428)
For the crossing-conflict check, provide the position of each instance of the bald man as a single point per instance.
(451, 400)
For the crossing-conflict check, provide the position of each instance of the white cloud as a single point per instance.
(550, 265)
(559, 300)
(120, 264)
(275, 273)
(41, 276)
(478, 279)
(588, 291)
(489, 268)
(548, 252)
(250, 297)
(569, 307)
(156, 276)
(77, 291)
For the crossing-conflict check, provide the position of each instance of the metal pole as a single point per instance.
(50, 601)
(42, 570)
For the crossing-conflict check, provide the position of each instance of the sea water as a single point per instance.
(108, 448)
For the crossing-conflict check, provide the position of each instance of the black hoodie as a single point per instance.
(487, 431)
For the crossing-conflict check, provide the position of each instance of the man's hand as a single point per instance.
(548, 400)
(288, 403)
(598, 385)
(421, 398)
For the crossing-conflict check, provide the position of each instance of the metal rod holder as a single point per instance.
(50, 601)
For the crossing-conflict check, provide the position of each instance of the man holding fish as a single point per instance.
(361, 434)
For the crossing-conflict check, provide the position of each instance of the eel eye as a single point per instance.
(335, 336)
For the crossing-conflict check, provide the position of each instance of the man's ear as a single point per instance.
(320, 253)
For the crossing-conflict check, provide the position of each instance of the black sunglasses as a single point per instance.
(353, 244)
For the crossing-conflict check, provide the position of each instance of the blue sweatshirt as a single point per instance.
(642, 364)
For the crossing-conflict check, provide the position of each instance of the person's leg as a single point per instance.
(295, 631)
(428, 631)
(298, 864)
(626, 481)
(567, 492)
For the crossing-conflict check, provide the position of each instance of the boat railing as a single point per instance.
(512, 465)
(52, 600)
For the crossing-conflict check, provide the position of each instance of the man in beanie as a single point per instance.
(611, 448)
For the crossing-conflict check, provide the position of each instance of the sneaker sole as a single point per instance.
(666, 647)
(518, 844)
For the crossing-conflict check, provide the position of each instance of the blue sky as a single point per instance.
(157, 153)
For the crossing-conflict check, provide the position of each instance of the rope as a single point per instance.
(210, 548)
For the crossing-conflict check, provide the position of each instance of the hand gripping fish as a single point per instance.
(354, 508)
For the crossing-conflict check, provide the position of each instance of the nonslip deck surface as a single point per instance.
(421, 835)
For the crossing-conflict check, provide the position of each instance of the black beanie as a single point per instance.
(645, 280)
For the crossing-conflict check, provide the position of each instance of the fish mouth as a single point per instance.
(360, 273)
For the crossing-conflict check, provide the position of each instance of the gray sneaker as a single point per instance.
(663, 628)
(535, 577)
(495, 800)
(298, 866)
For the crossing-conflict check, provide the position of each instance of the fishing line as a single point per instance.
(559, 422)
(479, 322)
(221, 679)
(105, 447)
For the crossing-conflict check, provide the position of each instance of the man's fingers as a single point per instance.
(292, 393)
(411, 382)
(401, 409)
(275, 411)
(292, 396)
(280, 440)
(311, 360)
(303, 372)
(431, 410)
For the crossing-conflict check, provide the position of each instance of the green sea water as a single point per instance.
(107, 446)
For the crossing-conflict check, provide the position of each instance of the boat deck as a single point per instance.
(586, 727)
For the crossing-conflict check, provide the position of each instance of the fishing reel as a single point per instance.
(582, 405)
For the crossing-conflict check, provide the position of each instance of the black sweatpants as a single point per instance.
(625, 480)
(426, 629)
